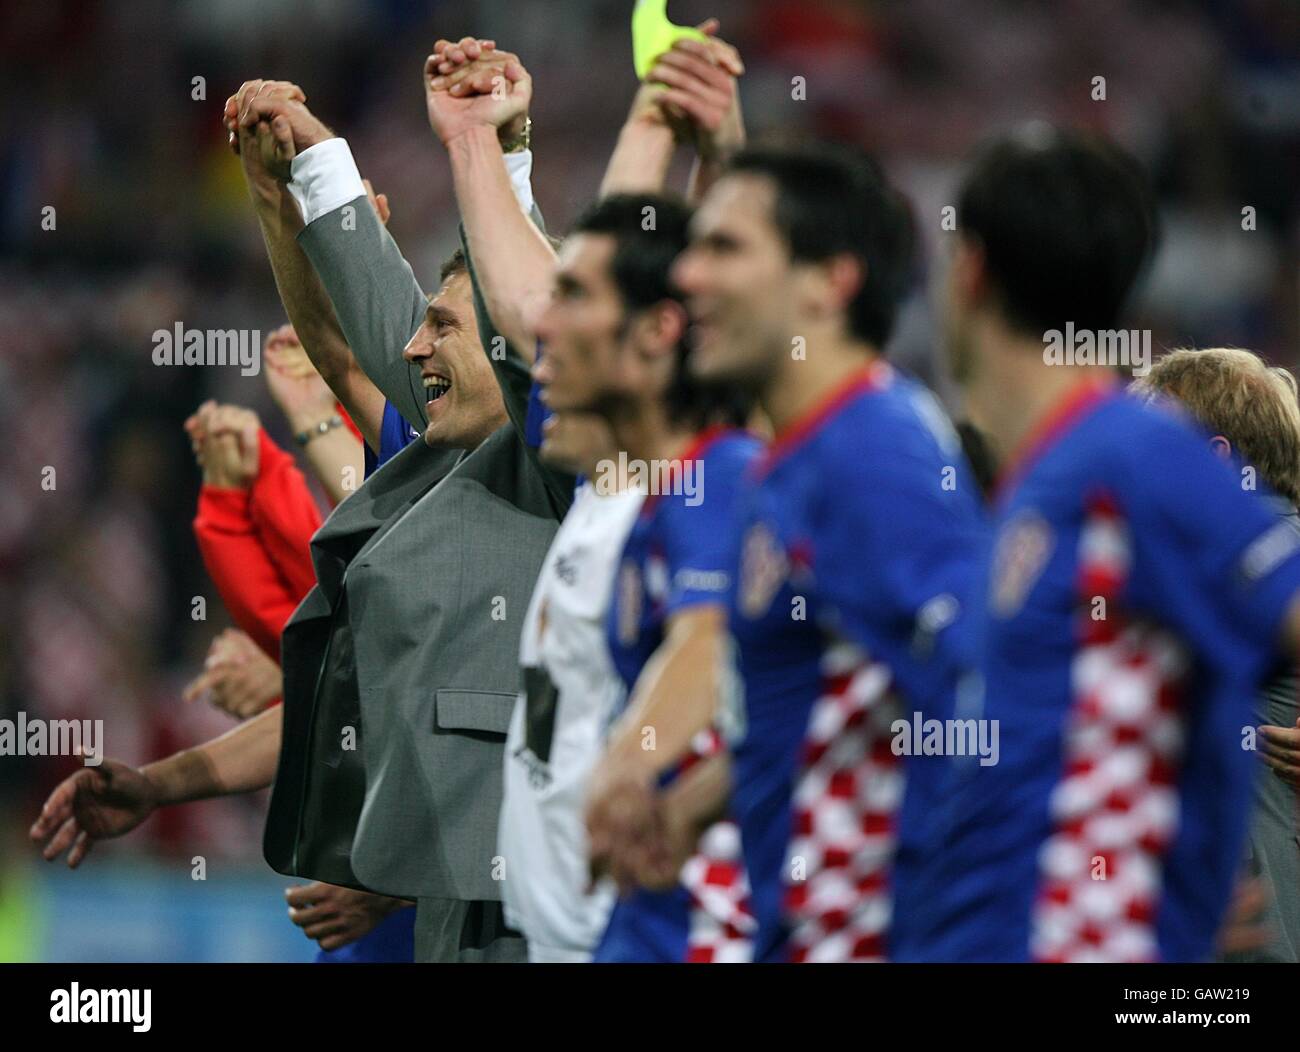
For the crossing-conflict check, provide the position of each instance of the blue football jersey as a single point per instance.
(395, 434)
(680, 554)
(1133, 601)
(535, 416)
(859, 541)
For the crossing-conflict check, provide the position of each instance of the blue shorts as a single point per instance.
(650, 927)
(391, 941)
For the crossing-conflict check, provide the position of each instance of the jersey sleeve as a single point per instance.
(518, 391)
(895, 557)
(258, 598)
(395, 434)
(392, 434)
(535, 415)
(702, 535)
(1216, 561)
(285, 516)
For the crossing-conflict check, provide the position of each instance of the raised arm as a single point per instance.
(376, 298)
(644, 150)
(689, 97)
(311, 410)
(514, 262)
(303, 296)
(702, 81)
(461, 68)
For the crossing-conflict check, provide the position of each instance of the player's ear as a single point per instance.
(659, 329)
(1221, 447)
(825, 289)
(967, 276)
(845, 276)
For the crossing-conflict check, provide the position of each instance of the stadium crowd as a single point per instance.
(661, 616)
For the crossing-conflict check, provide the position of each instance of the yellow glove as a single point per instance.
(653, 34)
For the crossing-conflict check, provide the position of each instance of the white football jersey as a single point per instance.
(558, 731)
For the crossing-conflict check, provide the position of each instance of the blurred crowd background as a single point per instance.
(152, 227)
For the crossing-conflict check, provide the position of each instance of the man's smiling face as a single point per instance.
(738, 278)
(463, 402)
(585, 365)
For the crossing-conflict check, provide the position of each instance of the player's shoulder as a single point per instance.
(727, 459)
(732, 450)
(1144, 454)
(899, 422)
(1158, 418)
(716, 466)
(726, 462)
(1140, 435)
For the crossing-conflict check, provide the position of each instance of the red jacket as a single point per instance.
(256, 544)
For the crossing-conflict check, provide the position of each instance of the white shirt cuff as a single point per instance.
(324, 177)
(519, 166)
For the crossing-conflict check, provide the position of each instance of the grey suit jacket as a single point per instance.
(409, 643)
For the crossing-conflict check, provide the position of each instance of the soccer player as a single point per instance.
(667, 618)
(1249, 409)
(1136, 596)
(570, 690)
(857, 541)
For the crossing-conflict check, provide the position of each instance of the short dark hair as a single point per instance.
(831, 201)
(650, 231)
(453, 264)
(1065, 222)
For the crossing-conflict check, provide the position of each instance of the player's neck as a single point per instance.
(647, 433)
(1015, 389)
(606, 466)
(799, 385)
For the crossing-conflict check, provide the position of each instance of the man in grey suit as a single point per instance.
(401, 666)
